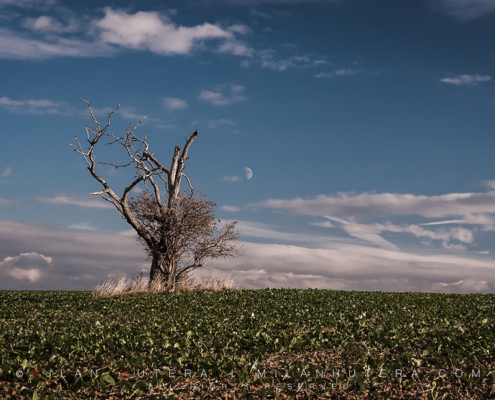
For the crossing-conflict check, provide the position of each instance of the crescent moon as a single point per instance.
(249, 173)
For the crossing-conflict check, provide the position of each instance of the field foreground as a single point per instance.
(270, 343)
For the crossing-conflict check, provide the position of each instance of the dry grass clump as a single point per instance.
(210, 285)
(139, 285)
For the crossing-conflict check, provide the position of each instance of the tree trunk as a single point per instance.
(172, 275)
(158, 269)
(164, 270)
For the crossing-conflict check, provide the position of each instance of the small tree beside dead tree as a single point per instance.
(178, 229)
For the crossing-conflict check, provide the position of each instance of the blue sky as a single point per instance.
(368, 126)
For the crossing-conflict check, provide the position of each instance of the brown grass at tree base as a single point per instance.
(140, 285)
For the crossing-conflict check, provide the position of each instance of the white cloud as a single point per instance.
(267, 231)
(48, 24)
(5, 202)
(489, 183)
(173, 103)
(231, 178)
(15, 45)
(473, 207)
(324, 224)
(374, 205)
(83, 226)
(7, 171)
(167, 126)
(473, 219)
(352, 267)
(70, 253)
(230, 208)
(212, 124)
(236, 48)
(240, 28)
(467, 79)
(453, 221)
(75, 201)
(267, 59)
(154, 32)
(340, 72)
(26, 266)
(27, 3)
(218, 99)
(370, 232)
(157, 33)
(35, 106)
(453, 246)
(342, 221)
(129, 113)
(100, 112)
(467, 10)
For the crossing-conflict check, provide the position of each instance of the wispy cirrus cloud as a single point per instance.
(467, 79)
(268, 231)
(230, 208)
(231, 178)
(7, 171)
(75, 201)
(24, 46)
(82, 226)
(371, 233)
(212, 123)
(470, 219)
(466, 10)
(27, 3)
(35, 106)
(219, 99)
(347, 208)
(269, 59)
(373, 205)
(341, 72)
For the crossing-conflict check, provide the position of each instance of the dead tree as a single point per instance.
(187, 237)
(168, 229)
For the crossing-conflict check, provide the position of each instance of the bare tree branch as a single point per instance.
(189, 182)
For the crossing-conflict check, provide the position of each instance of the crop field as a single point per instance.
(270, 343)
